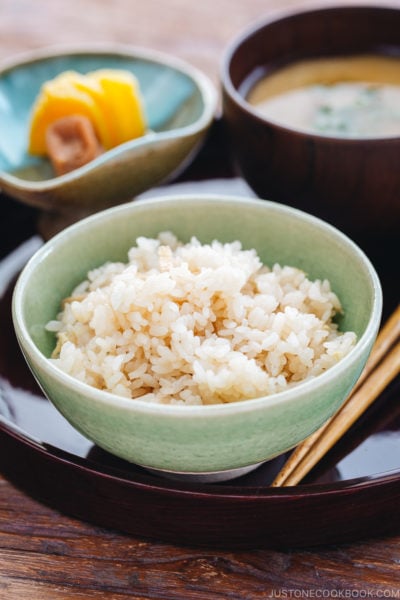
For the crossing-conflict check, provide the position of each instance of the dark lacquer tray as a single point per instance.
(353, 493)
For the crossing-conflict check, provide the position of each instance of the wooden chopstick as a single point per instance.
(368, 387)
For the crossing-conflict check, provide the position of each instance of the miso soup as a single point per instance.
(355, 97)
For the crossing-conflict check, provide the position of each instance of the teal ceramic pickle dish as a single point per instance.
(214, 441)
(179, 102)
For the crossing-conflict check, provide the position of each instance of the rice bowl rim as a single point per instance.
(91, 393)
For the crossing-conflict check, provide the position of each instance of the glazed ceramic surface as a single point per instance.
(352, 183)
(203, 438)
(179, 103)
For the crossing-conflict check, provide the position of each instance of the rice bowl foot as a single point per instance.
(205, 477)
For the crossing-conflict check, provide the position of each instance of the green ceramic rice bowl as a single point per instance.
(219, 440)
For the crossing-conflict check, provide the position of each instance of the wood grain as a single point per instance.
(194, 31)
(45, 555)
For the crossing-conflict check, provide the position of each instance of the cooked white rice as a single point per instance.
(197, 324)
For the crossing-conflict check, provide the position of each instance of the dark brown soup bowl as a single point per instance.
(352, 183)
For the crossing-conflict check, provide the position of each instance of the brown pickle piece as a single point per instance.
(71, 143)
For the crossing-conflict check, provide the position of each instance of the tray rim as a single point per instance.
(227, 520)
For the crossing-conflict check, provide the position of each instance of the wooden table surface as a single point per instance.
(45, 555)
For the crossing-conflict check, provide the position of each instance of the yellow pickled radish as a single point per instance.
(110, 99)
(124, 103)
